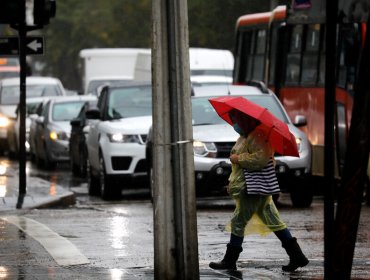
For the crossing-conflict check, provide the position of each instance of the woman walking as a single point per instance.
(253, 212)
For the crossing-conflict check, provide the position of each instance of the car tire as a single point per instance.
(301, 194)
(108, 190)
(39, 162)
(151, 183)
(93, 183)
(83, 163)
(49, 165)
(75, 168)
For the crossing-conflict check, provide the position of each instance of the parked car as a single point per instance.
(212, 148)
(53, 128)
(33, 117)
(77, 143)
(116, 141)
(9, 99)
(32, 104)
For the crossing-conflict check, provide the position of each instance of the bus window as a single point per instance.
(294, 56)
(296, 39)
(321, 81)
(311, 55)
(309, 69)
(259, 55)
(348, 55)
(313, 38)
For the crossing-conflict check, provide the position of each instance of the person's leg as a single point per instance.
(242, 215)
(236, 241)
(283, 235)
(233, 250)
(271, 217)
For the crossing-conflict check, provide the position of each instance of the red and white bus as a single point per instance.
(285, 48)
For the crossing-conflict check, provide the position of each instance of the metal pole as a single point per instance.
(330, 86)
(354, 174)
(175, 227)
(22, 31)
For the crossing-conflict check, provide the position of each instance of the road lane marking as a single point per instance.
(61, 249)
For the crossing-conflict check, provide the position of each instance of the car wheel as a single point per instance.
(39, 162)
(50, 165)
(301, 194)
(74, 167)
(93, 183)
(151, 183)
(83, 163)
(106, 187)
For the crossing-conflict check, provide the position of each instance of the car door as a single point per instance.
(39, 132)
(94, 134)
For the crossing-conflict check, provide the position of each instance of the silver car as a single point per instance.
(9, 99)
(213, 140)
(53, 128)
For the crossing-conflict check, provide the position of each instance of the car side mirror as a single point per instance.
(33, 116)
(75, 122)
(300, 120)
(93, 114)
(40, 120)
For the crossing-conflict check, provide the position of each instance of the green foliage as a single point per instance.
(127, 23)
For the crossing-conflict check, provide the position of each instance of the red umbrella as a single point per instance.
(281, 139)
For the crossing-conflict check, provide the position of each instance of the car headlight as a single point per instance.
(4, 121)
(299, 143)
(204, 149)
(123, 138)
(58, 135)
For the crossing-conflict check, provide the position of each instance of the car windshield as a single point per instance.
(127, 102)
(66, 111)
(32, 107)
(10, 94)
(204, 113)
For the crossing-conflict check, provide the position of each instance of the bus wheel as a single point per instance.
(301, 195)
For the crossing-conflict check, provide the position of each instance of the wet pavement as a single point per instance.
(116, 238)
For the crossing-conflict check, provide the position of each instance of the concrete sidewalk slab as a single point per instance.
(40, 193)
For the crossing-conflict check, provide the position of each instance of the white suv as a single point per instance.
(214, 140)
(116, 139)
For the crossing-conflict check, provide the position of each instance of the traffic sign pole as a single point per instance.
(22, 31)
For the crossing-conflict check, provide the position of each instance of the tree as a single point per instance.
(127, 23)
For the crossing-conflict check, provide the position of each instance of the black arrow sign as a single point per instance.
(9, 46)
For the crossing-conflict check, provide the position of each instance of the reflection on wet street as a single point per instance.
(116, 237)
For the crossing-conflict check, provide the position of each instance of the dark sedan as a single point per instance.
(77, 143)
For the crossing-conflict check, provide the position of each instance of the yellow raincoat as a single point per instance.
(253, 213)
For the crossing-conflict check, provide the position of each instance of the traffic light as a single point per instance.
(43, 10)
(12, 11)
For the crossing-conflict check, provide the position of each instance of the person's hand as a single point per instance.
(234, 158)
(228, 188)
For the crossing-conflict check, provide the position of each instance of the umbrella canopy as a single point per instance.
(281, 139)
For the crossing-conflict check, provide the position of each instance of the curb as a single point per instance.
(60, 201)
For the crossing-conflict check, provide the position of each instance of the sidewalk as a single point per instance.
(39, 193)
(43, 193)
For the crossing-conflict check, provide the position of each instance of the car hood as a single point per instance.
(215, 133)
(136, 125)
(8, 110)
(226, 133)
